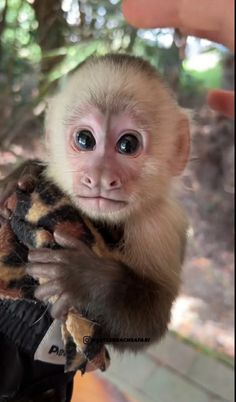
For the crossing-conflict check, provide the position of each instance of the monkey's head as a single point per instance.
(115, 137)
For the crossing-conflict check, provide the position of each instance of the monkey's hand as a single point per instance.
(24, 177)
(105, 291)
(67, 274)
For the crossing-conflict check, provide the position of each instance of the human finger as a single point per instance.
(204, 18)
(222, 101)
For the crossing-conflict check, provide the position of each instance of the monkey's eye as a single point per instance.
(85, 140)
(128, 144)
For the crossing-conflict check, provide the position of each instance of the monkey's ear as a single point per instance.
(46, 138)
(181, 146)
(47, 134)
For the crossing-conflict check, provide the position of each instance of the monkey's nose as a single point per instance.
(111, 183)
(89, 181)
(106, 183)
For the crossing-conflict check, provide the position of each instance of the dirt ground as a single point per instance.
(204, 310)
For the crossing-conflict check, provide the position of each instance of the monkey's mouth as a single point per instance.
(101, 203)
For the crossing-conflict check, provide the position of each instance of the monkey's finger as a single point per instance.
(67, 241)
(45, 255)
(2, 220)
(44, 271)
(27, 183)
(60, 308)
(47, 290)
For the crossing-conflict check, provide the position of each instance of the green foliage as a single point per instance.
(42, 40)
(17, 38)
(210, 78)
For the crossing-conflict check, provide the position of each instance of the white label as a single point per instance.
(51, 349)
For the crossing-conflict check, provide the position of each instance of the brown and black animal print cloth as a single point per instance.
(34, 218)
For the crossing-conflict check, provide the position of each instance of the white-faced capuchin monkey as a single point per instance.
(116, 138)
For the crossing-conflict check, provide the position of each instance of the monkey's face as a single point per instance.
(105, 152)
(115, 138)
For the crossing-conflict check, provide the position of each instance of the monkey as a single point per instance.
(116, 139)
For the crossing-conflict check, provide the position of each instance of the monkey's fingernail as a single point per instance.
(28, 269)
(31, 273)
(27, 184)
(31, 255)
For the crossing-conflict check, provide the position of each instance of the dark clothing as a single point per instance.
(23, 325)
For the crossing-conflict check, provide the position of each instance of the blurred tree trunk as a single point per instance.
(2, 25)
(51, 30)
(228, 72)
(171, 65)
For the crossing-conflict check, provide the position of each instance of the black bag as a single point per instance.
(23, 325)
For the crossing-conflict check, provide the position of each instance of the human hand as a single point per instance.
(213, 20)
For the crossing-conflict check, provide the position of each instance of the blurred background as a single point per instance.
(41, 41)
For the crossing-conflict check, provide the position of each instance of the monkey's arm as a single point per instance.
(126, 305)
